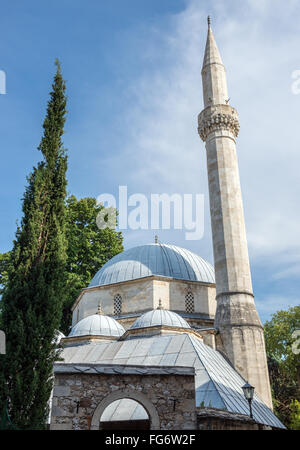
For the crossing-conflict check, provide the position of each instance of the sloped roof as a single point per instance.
(217, 383)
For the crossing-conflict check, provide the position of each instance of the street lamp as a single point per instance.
(249, 393)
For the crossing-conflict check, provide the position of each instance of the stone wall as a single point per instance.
(136, 296)
(204, 297)
(139, 296)
(155, 391)
(213, 419)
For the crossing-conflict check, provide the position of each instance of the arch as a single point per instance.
(238, 333)
(126, 414)
(126, 393)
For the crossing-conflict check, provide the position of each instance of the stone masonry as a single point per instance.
(167, 394)
(141, 295)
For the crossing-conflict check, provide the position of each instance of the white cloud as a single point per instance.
(291, 272)
(267, 305)
(161, 151)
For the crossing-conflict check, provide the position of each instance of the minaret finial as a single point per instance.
(99, 308)
(156, 239)
(208, 21)
(160, 306)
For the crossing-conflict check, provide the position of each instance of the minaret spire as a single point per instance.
(241, 335)
(213, 73)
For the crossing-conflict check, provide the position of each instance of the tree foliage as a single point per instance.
(35, 285)
(5, 267)
(283, 360)
(89, 248)
(295, 415)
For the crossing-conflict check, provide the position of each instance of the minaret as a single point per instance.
(241, 336)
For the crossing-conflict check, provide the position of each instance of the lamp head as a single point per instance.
(248, 391)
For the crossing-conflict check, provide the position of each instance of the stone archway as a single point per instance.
(131, 394)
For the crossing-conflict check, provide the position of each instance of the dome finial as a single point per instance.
(160, 306)
(208, 21)
(156, 239)
(99, 308)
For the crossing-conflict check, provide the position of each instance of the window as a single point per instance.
(189, 303)
(117, 305)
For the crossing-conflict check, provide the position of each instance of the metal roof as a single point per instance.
(154, 259)
(97, 325)
(160, 317)
(217, 383)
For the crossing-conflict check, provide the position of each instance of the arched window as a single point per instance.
(117, 305)
(189, 303)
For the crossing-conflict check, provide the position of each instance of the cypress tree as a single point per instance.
(32, 300)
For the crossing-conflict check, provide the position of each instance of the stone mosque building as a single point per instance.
(160, 339)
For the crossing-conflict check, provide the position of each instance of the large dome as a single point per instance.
(154, 259)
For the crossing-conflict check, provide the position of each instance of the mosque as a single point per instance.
(160, 339)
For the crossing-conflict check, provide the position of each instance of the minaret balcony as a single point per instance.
(218, 117)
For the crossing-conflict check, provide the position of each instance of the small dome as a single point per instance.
(160, 317)
(97, 325)
(154, 259)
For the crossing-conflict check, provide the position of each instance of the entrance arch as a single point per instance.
(125, 414)
(126, 394)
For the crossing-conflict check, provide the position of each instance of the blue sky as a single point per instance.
(134, 91)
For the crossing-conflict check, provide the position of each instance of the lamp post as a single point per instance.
(249, 393)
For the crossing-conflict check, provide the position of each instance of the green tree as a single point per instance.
(5, 267)
(89, 248)
(283, 361)
(295, 415)
(34, 293)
